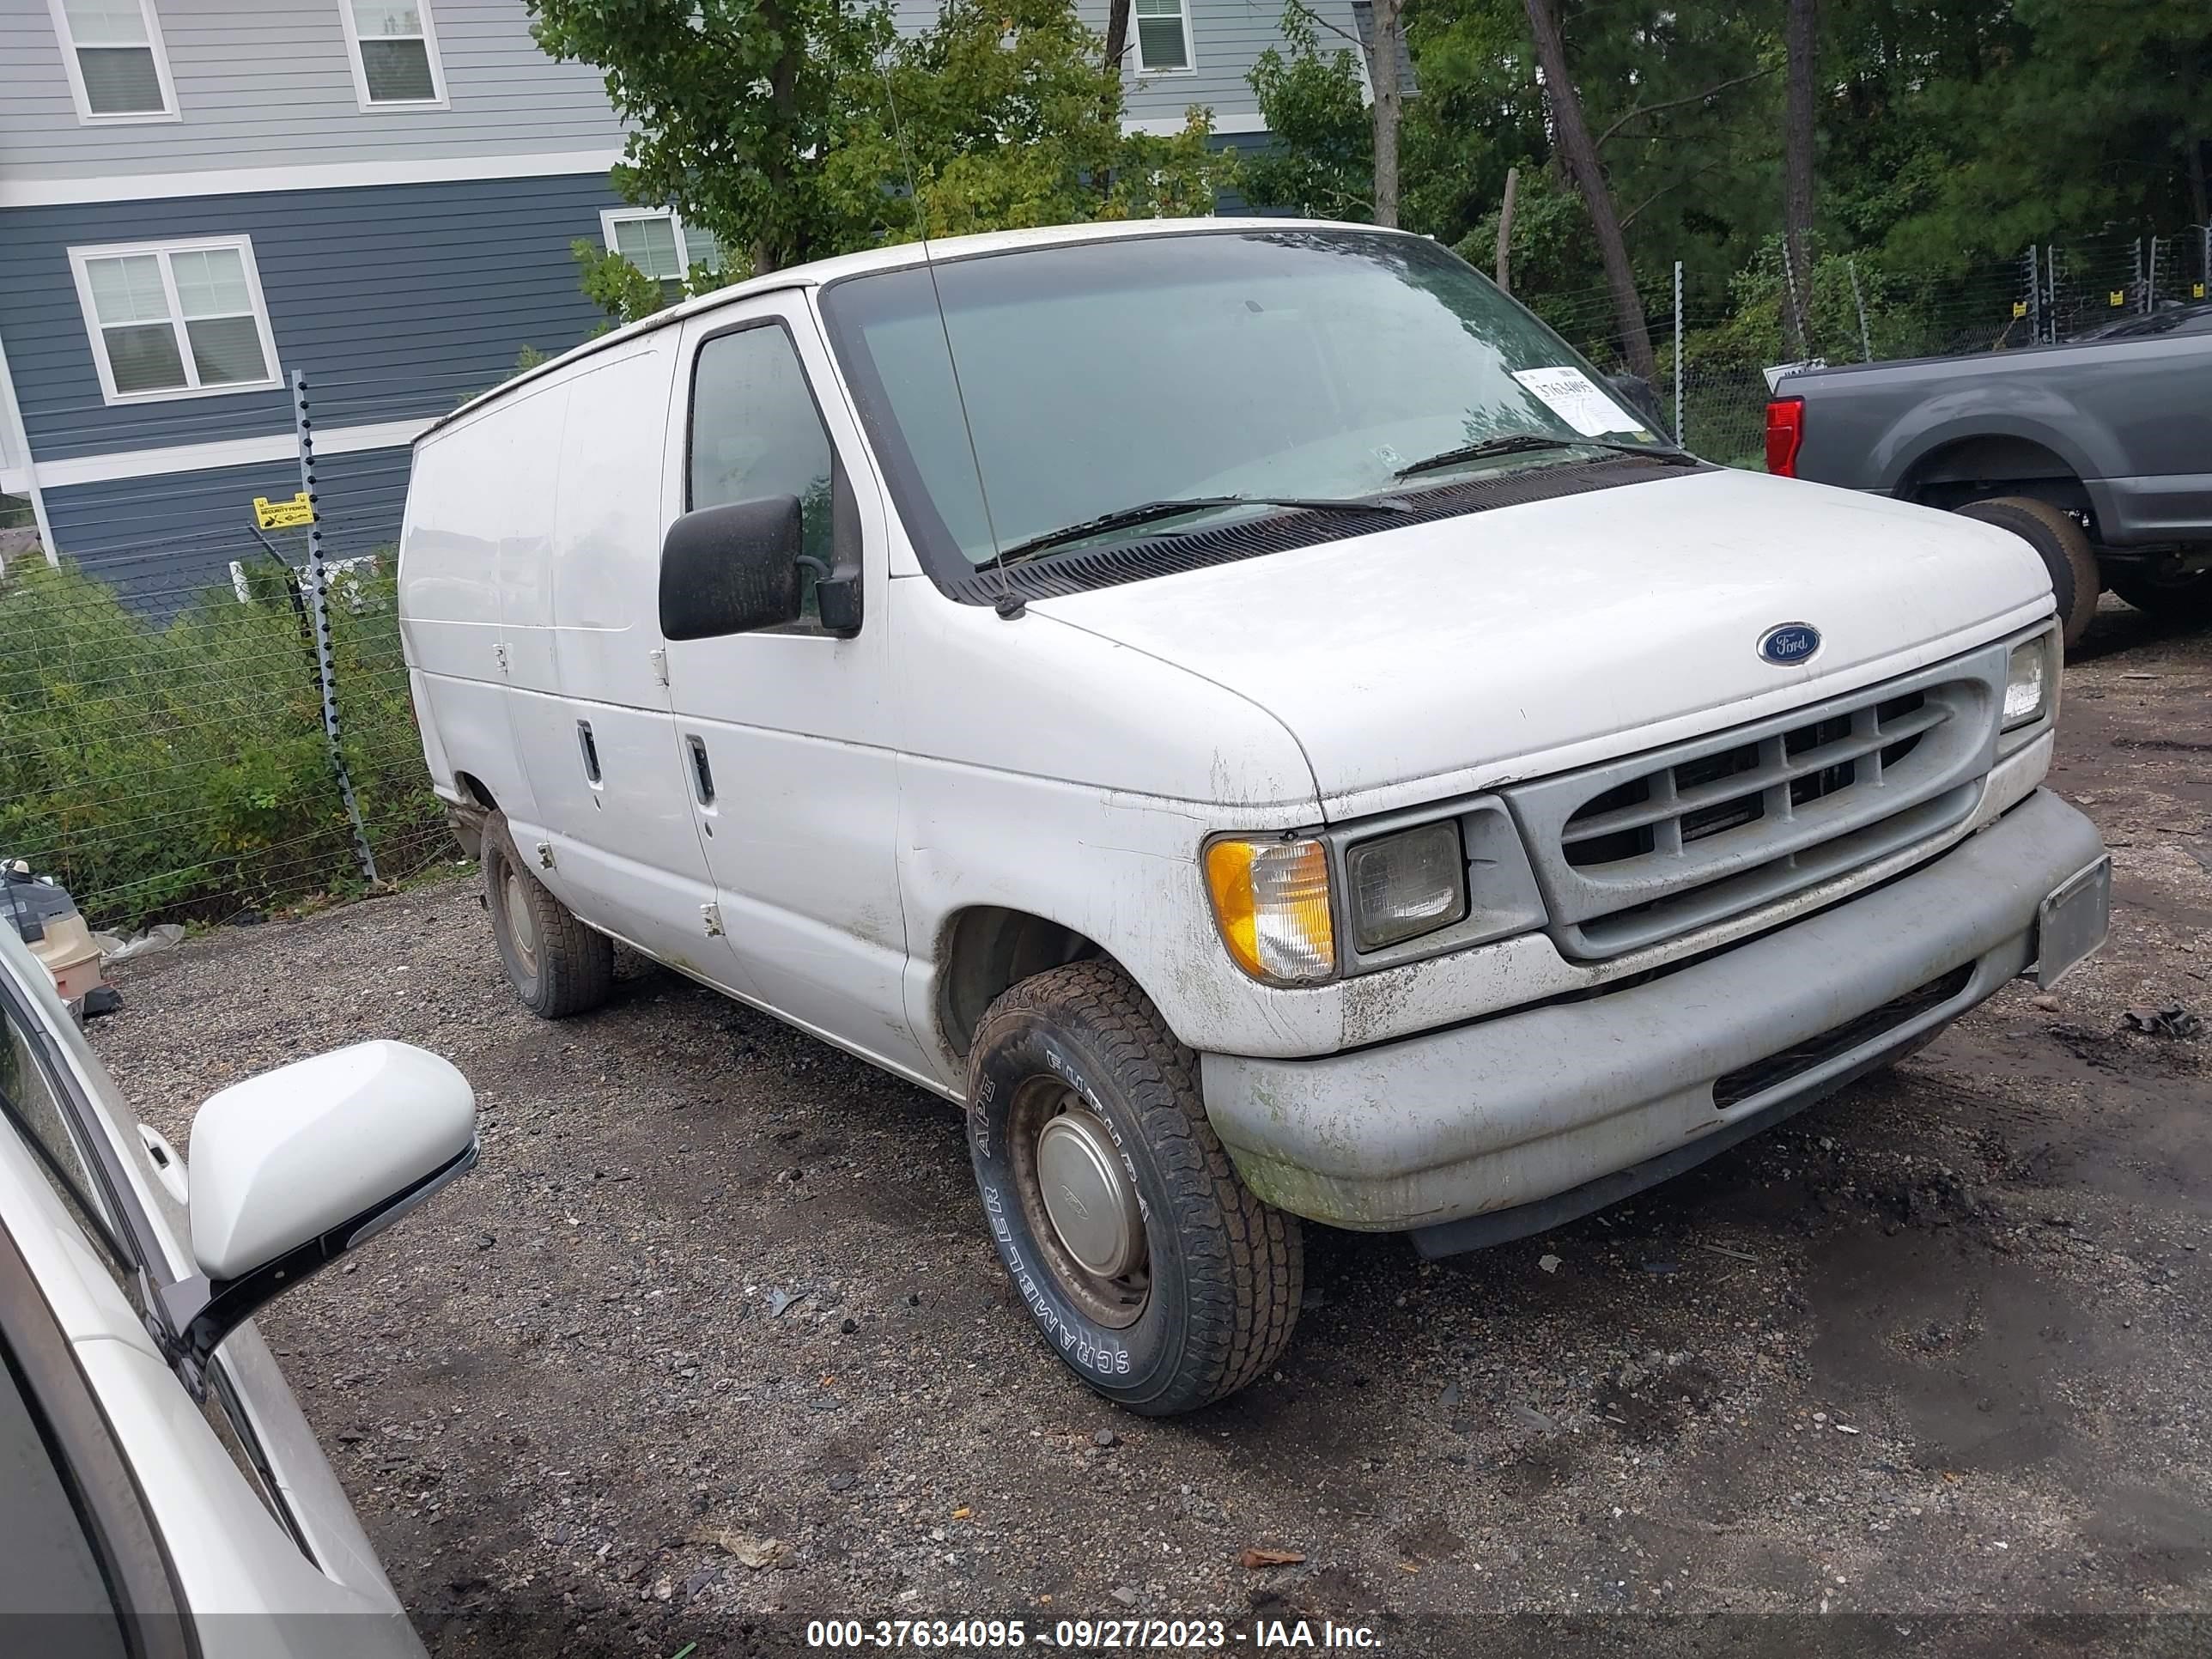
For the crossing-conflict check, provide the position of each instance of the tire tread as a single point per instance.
(1241, 1330)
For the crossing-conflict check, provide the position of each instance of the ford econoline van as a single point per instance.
(1241, 708)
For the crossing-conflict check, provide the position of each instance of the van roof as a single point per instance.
(819, 273)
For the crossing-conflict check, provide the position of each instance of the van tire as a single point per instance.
(1223, 1272)
(558, 966)
(2065, 546)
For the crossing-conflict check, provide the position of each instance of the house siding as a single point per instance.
(1226, 39)
(272, 87)
(396, 301)
(165, 542)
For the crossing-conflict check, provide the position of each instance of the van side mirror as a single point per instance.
(292, 1168)
(730, 570)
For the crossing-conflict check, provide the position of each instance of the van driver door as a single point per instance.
(781, 733)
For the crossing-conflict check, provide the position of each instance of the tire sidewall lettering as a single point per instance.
(1109, 1356)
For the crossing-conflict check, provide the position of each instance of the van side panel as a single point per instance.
(465, 501)
(629, 856)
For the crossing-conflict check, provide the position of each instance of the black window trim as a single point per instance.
(845, 541)
(110, 1505)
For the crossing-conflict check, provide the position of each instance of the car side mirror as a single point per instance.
(730, 570)
(290, 1169)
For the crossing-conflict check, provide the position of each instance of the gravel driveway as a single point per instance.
(713, 1342)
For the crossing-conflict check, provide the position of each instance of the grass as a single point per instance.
(180, 768)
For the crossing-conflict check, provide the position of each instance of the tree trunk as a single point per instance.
(1389, 102)
(1505, 230)
(1801, 34)
(770, 251)
(1572, 132)
(1117, 33)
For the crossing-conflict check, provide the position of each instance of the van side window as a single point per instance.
(756, 432)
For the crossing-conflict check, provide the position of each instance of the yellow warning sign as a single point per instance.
(2117, 297)
(283, 515)
(2019, 307)
(2197, 291)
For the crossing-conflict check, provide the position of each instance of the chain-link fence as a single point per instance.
(203, 710)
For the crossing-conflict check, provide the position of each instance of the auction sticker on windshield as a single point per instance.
(1575, 398)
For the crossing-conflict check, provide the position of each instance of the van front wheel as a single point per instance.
(1153, 1274)
(558, 966)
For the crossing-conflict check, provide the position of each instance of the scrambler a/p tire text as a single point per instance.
(1150, 1270)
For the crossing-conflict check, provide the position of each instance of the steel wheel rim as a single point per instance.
(521, 927)
(1080, 1203)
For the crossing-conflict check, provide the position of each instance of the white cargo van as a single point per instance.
(1237, 706)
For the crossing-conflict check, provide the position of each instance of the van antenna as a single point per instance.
(1010, 604)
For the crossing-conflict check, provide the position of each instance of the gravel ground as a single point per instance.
(713, 1341)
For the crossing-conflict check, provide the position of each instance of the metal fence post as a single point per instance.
(2034, 293)
(2150, 280)
(1858, 299)
(1678, 352)
(318, 599)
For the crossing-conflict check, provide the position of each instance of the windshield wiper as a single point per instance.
(1143, 513)
(1518, 442)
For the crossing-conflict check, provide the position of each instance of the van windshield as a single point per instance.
(1318, 366)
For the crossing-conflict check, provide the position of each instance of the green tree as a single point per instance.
(796, 129)
(1321, 157)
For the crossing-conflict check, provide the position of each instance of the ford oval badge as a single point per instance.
(1789, 644)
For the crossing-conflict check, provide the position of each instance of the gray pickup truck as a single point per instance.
(2098, 452)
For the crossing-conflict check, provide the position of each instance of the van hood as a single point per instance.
(1456, 655)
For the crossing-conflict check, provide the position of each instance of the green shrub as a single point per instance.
(181, 767)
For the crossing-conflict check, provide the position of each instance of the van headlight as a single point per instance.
(1271, 900)
(1405, 884)
(2031, 677)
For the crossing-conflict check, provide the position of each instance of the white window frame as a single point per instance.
(1189, 47)
(378, 106)
(85, 115)
(80, 261)
(609, 218)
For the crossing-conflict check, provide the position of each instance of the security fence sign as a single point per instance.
(283, 515)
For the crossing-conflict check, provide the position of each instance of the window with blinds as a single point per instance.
(117, 68)
(1162, 35)
(659, 243)
(170, 320)
(395, 53)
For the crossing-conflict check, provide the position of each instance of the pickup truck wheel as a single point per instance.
(2064, 545)
(1153, 1274)
(2183, 597)
(558, 966)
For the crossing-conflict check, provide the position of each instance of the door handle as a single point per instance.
(591, 749)
(703, 771)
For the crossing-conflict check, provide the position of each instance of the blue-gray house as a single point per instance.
(198, 198)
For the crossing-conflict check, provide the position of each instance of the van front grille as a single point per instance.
(1772, 778)
(1640, 850)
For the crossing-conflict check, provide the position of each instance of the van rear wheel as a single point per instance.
(558, 966)
(1153, 1272)
(2074, 580)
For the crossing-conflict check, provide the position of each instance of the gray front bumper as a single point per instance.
(1580, 1102)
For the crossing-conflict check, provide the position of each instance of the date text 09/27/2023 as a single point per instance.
(1088, 1635)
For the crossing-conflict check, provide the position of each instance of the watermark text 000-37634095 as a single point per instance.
(1088, 1635)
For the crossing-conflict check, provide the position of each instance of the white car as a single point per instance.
(159, 1492)
(1241, 707)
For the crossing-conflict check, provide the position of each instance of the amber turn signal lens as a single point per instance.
(1271, 899)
